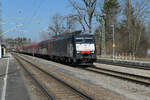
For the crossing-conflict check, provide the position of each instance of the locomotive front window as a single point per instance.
(84, 40)
(79, 40)
(89, 40)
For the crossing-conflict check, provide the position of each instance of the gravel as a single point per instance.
(32, 88)
(120, 87)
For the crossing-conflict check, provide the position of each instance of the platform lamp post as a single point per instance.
(101, 19)
(114, 45)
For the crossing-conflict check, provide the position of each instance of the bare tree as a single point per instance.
(133, 28)
(61, 24)
(69, 23)
(85, 13)
(142, 15)
(56, 26)
(142, 11)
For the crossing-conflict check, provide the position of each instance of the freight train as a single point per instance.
(71, 48)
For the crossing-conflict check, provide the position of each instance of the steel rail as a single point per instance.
(121, 75)
(137, 65)
(49, 95)
(61, 81)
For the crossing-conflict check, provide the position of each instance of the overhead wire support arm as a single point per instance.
(101, 19)
(12, 29)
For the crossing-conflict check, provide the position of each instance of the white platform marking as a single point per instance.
(5, 82)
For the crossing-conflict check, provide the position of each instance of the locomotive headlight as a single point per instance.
(92, 51)
(78, 51)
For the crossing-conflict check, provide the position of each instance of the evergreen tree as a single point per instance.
(111, 8)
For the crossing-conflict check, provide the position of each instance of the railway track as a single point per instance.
(121, 75)
(128, 64)
(44, 90)
(143, 80)
(53, 87)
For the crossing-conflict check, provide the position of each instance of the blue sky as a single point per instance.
(17, 11)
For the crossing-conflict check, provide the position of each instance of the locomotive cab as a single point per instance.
(85, 49)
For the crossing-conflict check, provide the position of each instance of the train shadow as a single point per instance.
(82, 66)
(5, 56)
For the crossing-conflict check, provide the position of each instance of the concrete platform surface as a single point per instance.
(12, 85)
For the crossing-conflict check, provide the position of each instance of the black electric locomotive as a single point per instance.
(73, 48)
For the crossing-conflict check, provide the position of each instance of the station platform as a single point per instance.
(12, 86)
